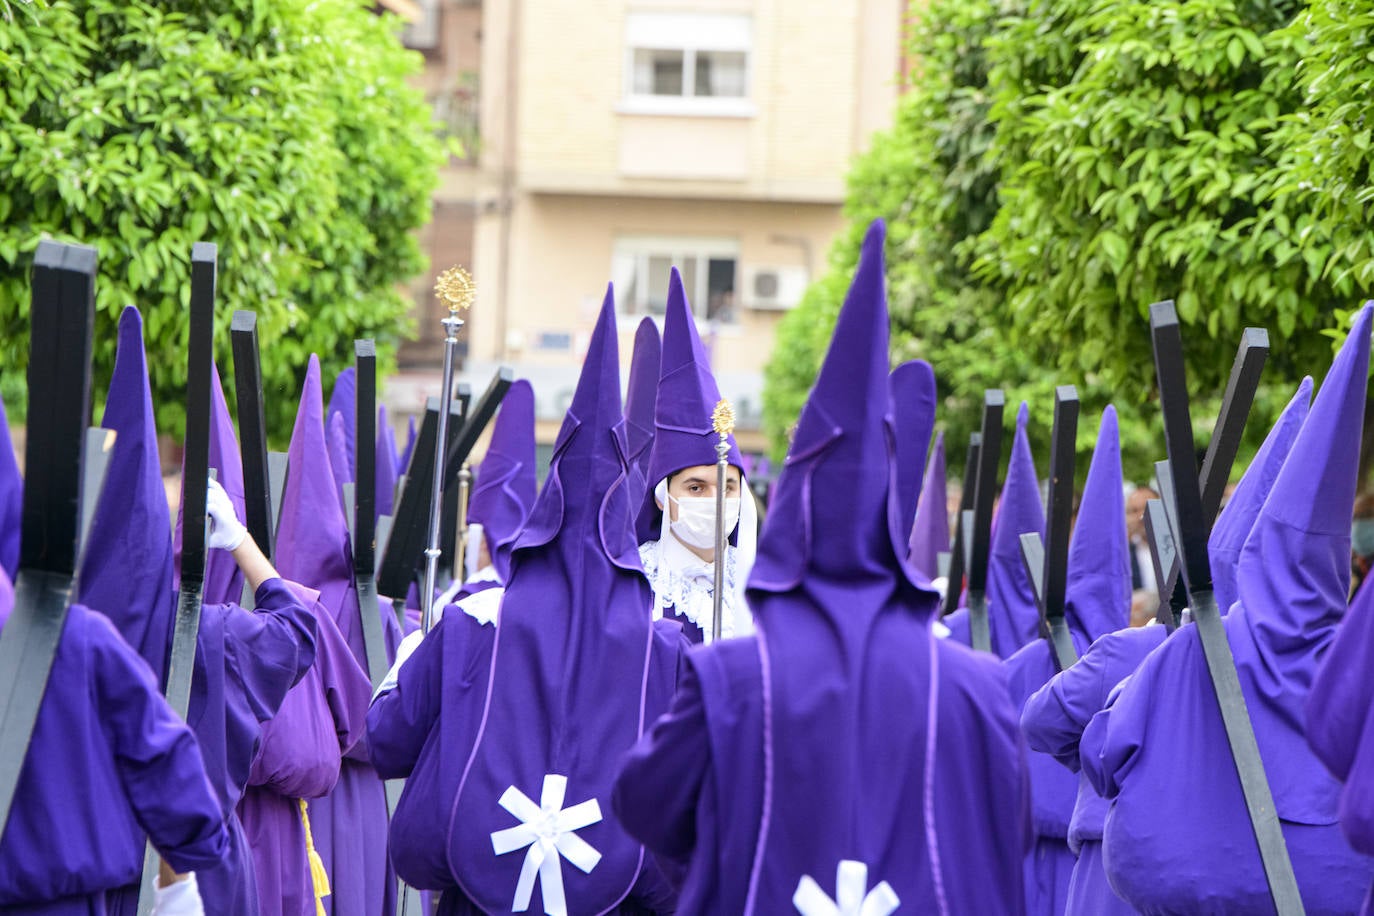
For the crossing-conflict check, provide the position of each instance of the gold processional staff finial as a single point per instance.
(723, 418)
(456, 289)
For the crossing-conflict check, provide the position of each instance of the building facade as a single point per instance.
(616, 138)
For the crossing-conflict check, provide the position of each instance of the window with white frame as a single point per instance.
(690, 62)
(641, 266)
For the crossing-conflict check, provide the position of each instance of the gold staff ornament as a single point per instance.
(723, 418)
(456, 289)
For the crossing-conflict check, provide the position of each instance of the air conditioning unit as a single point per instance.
(774, 288)
(422, 34)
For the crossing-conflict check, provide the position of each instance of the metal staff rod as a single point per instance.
(989, 456)
(460, 546)
(1048, 570)
(723, 422)
(456, 290)
(1191, 535)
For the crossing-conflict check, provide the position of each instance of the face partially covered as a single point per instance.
(697, 482)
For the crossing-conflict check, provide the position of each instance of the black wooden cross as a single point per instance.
(954, 577)
(1049, 571)
(62, 316)
(985, 492)
(1191, 538)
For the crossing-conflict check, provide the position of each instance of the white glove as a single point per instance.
(403, 652)
(181, 898)
(225, 531)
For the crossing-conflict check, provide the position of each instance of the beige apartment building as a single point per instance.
(615, 138)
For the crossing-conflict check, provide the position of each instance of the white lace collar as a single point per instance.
(684, 582)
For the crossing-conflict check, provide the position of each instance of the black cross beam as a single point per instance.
(448, 510)
(243, 332)
(62, 320)
(1191, 537)
(364, 508)
(958, 561)
(985, 492)
(1163, 551)
(1173, 597)
(1049, 571)
(477, 420)
(1241, 386)
(405, 545)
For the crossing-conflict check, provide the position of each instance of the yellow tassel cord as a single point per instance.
(318, 876)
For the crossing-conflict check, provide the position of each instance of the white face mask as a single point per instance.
(696, 519)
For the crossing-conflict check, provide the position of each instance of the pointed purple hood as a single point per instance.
(1097, 594)
(11, 499)
(127, 570)
(223, 578)
(1293, 578)
(336, 439)
(687, 394)
(571, 660)
(1013, 615)
(930, 531)
(640, 398)
(312, 537)
(403, 464)
(911, 387)
(842, 622)
(387, 460)
(1233, 525)
(343, 402)
(506, 482)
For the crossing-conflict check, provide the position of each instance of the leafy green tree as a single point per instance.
(283, 131)
(932, 178)
(1146, 168)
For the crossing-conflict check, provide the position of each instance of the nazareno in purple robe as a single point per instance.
(683, 437)
(843, 744)
(1177, 838)
(485, 723)
(1055, 716)
(1097, 600)
(1013, 616)
(350, 823)
(343, 403)
(930, 531)
(264, 653)
(244, 662)
(109, 766)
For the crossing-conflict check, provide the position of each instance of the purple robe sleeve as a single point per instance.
(271, 648)
(347, 688)
(1055, 715)
(1109, 749)
(399, 721)
(655, 795)
(158, 760)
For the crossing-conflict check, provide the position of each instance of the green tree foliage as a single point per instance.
(932, 178)
(283, 131)
(1058, 165)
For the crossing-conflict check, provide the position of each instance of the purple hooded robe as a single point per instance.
(1054, 717)
(11, 499)
(1097, 600)
(683, 438)
(1013, 616)
(843, 753)
(641, 394)
(490, 726)
(1178, 842)
(350, 823)
(244, 662)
